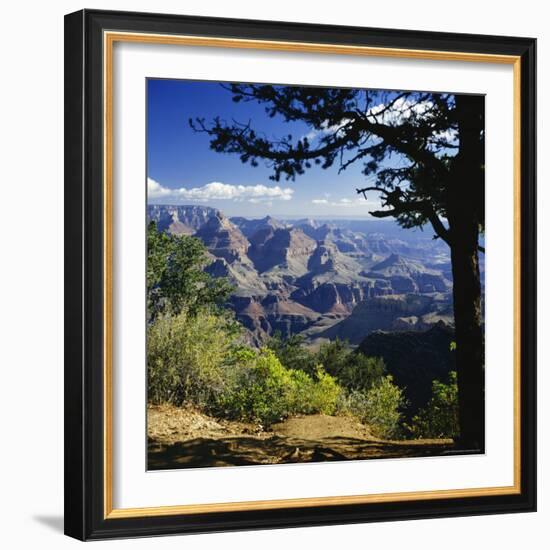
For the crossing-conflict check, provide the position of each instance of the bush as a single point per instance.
(353, 370)
(439, 419)
(325, 394)
(318, 394)
(334, 356)
(292, 353)
(186, 355)
(262, 389)
(197, 359)
(362, 372)
(379, 407)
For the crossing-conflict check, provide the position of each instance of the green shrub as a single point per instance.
(292, 353)
(334, 356)
(326, 393)
(301, 392)
(186, 355)
(262, 389)
(318, 394)
(353, 370)
(197, 359)
(362, 372)
(379, 407)
(439, 419)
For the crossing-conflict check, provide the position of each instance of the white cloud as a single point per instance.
(220, 191)
(326, 129)
(155, 190)
(401, 110)
(344, 202)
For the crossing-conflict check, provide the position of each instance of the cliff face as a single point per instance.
(408, 275)
(380, 244)
(180, 220)
(321, 279)
(392, 312)
(249, 227)
(265, 315)
(332, 297)
(223, 239)
(289, 249)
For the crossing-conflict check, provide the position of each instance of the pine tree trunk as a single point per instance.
(469, 344)
(466, 214)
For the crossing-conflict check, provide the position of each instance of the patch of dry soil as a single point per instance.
(320, 426)
(186, 438)
(168, 424)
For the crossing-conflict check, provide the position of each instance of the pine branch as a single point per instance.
(400, 206)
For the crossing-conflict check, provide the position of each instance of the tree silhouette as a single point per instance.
(422, 152)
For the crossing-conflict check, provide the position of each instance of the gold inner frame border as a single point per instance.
(109, 39)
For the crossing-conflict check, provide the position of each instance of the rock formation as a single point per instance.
(323, 279)
(180, 220)
(223, 239)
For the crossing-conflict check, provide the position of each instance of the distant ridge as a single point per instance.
(180, 219)
(251, 226)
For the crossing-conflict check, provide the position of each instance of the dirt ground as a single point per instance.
(185, 438)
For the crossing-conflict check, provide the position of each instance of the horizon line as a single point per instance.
(281, 216)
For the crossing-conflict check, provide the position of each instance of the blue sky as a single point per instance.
(181, 168)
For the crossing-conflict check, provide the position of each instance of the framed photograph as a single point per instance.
(300, 274)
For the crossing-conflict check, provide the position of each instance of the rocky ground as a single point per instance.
(186, 438)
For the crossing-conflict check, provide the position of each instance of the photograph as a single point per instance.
(315, 273)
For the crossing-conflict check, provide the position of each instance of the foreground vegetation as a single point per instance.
(197, 355)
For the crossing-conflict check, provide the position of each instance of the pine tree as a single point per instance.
(439, 180)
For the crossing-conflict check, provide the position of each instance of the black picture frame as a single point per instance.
(85, 517)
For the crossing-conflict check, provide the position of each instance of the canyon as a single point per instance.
(323, 279)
